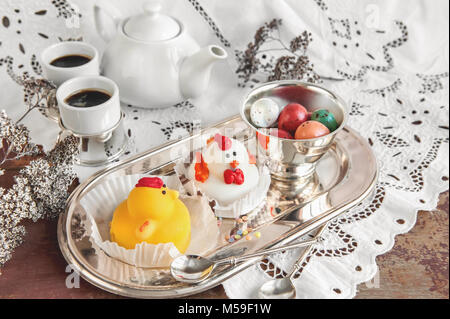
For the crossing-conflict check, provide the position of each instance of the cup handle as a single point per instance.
(107, 19)
(51, 111)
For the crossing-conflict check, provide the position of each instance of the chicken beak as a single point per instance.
(234, 164)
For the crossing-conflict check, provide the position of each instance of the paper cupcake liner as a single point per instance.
(238, 208)
(101, 202)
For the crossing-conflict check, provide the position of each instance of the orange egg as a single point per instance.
(311, 129)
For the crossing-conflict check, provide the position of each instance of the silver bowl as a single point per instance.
(294, 161)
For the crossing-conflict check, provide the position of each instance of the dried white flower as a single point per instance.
(40, 189)
(15, 140)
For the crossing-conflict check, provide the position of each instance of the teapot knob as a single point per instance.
(152, 8)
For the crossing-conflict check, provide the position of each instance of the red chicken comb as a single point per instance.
(153, 182)
(223, 142)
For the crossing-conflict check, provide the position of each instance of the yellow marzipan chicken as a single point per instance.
(152, 213)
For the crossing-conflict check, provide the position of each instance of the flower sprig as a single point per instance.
(42, 186)
(294, 63)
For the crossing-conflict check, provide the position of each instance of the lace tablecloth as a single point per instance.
(393, 57)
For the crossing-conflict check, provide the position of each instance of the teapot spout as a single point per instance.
(196, 70)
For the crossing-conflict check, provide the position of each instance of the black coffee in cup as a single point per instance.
(71, 60)
(88, 98)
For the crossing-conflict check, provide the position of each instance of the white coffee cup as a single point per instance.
(94, 120)
(58, 75)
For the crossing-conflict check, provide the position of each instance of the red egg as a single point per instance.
(291, 117)
(280, 133)
(311, 129)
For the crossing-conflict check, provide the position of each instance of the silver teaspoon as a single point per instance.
(283, 288)
(193, 268)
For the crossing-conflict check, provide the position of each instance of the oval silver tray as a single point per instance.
(345, 176)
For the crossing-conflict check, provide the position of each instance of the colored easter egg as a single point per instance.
(264, 112)
(291, 117)
(280, 133)
(326, 118)
(311, 129)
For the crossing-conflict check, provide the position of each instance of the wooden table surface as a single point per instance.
(417, 266)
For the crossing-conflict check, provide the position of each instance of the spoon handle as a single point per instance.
(234, 260)
(305, 253)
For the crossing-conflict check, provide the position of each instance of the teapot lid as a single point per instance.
(152, 25)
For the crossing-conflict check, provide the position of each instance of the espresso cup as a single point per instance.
(58, 74)
(93, 120)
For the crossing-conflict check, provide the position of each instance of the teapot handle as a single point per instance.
(107, 19)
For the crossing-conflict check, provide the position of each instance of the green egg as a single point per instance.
(326, 118)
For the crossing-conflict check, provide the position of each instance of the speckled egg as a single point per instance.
(264, 112)
(311, 129)
(326, 118)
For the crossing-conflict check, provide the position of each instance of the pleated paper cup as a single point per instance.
(244, 205)
(101, 202)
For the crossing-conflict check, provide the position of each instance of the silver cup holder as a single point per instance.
(99, 149)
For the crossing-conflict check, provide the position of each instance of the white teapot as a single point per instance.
(152, 58)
